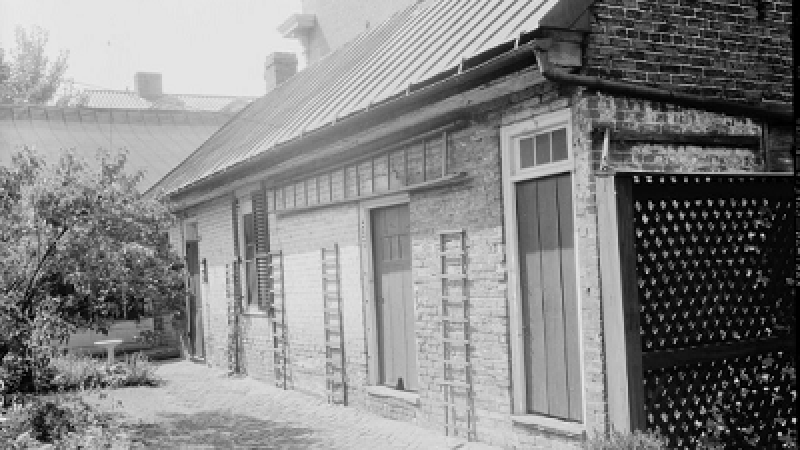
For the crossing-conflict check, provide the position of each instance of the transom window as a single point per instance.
(543, 148)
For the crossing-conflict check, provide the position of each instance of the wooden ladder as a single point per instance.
(454, 318)
(335, 376)
(280, 342)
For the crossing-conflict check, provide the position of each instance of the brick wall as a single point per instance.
(216, 246)
(738, 50)
(301, 236)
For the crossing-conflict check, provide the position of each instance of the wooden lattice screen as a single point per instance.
(706, 266)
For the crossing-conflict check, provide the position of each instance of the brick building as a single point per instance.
(433, 222)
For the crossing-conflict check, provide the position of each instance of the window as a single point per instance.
(253, 247)
(539, 218)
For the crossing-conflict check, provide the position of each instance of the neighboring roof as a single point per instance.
(423, 43)
(111, 99)
(156, 140)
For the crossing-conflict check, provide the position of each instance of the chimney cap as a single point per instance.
(148, 85)
(297, 25)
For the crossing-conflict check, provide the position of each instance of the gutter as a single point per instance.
(518, 58)
(775, 115)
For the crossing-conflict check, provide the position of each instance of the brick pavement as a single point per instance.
(202, 408)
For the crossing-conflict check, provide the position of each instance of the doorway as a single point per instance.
(391, 244)
(195, 307)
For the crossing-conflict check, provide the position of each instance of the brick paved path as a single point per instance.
(200, 407)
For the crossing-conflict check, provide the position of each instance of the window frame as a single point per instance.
(512, 174)
(249, 299)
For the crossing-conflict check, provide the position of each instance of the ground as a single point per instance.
(200, 407)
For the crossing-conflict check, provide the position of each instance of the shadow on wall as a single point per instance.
(212, 429)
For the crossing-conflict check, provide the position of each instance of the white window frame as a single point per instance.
(368, 280)
(512, 174)
(245, 207)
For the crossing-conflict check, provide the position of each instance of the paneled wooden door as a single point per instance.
(549, 296)
(195, 315)
(391, 245)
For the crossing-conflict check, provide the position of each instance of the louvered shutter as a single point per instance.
(237, 257)
(261, 227)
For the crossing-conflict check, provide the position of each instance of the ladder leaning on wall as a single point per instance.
(335, 374)
(454, 319)
(279, 333)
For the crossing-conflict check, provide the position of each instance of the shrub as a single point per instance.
(616, 440)
(65, 422)
(75, 372)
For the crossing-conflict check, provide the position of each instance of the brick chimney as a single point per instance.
(278, 68)
(148, 85)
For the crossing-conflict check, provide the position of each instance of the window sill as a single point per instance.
(383, 391)
(550, 424)
(255, 312)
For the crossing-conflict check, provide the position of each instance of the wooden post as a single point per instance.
(623, 348)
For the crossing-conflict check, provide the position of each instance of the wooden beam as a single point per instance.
(670, 358)
(620, 304)
(698, 139)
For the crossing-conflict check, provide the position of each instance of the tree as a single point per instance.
(28, 76)
(77, 245)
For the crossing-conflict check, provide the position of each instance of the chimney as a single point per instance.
(278, 68)
(148, 85)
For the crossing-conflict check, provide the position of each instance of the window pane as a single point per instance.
(526, 153)
(560, 144)
(543, 149)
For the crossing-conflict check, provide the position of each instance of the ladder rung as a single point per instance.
(334, 328)
(452, 319)
(461, 364)
(453, 254)
(458, 384)
(456, 341)
(334, 361)
(458, 231)
(452, 276)
(331, 310)
(330, 276)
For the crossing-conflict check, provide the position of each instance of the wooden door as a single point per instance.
(195, 313)
(395, 308)
(549, 296)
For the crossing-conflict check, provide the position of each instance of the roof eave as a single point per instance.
(506, 63)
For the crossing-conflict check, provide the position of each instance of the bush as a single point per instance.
(20, 374)
(616, 440)
(75, 372)
(65, 422)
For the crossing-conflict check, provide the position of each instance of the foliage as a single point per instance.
(75, 372)
(28, 75)
(65, 422)
(730, 426)
(152, 338)
(77, 246)
(616, 440)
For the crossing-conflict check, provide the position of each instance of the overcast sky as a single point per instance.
(200, 46)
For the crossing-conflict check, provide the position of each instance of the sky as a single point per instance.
(212, 47)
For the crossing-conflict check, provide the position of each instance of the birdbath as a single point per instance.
(109, 345)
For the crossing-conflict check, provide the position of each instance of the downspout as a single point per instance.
(558, 75)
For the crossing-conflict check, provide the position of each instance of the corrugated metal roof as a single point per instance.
(156, 140)
(415, 44)
(111, 99)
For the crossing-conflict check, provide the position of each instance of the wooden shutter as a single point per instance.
(237, 255)
(262, 247)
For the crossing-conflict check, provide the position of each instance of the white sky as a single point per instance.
(215, 47)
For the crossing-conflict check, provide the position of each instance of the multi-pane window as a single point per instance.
(543, 148)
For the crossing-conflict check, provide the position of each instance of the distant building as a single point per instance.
(159, 130)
